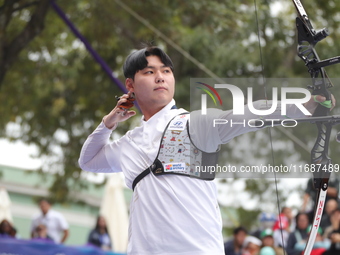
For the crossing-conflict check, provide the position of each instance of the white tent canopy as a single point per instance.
(114, 210)
(5, 205)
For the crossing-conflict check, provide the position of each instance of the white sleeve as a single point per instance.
(63, 222)
(240, 122)
(93, 153)
(219, 127)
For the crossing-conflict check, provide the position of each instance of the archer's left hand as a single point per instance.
(315, 100)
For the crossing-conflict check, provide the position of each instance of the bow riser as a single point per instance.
(308, 37)
(307, 53)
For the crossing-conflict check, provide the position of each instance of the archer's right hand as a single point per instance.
(119, 113)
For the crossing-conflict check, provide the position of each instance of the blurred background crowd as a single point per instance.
(50, 226)
(273, 234)
(287, 233)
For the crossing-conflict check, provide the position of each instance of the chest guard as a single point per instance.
(178, 155)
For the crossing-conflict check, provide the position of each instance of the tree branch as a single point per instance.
(6, 11)
(25, 6)
(10, 51)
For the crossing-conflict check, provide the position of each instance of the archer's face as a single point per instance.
(154, 85)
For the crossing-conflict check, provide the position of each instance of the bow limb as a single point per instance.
(308, 37)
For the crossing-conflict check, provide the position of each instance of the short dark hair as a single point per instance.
(97, 223)
(240, 229)
(300, 214)
(43, 199)
(284, 208)
(137, 61)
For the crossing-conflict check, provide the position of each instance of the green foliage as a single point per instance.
(57, 93)
(246, 218)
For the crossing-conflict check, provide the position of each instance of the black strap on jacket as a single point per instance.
(149, 169)
(140, 177)
(155, 167)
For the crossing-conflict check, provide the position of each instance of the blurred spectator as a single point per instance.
(320, 244)
(335, 222)
(310, 195)
(298, 238)
(57, 226)
(331, 205)
(40, 234)
(252, 246)
(99, 236)
(333, 234)
(7, 230)
(268, 241)
(234, 246)
(266, 221)
(281, 227)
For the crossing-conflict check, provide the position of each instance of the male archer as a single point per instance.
(170, 213)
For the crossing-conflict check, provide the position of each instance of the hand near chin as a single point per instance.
(121, 112)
